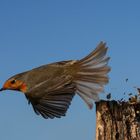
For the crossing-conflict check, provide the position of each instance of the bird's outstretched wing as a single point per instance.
(54, 101)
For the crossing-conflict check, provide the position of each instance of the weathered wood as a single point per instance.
(117, 121)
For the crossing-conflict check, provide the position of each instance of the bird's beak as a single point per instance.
(1, 89)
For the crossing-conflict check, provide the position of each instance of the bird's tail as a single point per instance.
(91, 74)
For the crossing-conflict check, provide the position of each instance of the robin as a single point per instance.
(50, 88)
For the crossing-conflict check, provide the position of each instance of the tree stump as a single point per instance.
(117, 120)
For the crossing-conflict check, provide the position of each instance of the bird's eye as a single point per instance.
(13, 81)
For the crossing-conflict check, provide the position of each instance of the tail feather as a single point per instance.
(98, 54)
(92, 74)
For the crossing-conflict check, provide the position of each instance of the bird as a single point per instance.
(50, 88)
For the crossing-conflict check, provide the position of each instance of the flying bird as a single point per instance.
(50, 88)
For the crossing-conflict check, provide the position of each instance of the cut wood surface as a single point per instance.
(117, 120)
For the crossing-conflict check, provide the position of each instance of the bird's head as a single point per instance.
(14, 84)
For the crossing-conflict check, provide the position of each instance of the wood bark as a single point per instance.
(117, 121)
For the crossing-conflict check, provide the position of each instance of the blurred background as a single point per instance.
(33, 33)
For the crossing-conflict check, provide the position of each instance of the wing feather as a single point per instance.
(52, 103)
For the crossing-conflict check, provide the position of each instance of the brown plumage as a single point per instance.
(50, 88)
